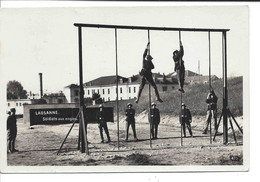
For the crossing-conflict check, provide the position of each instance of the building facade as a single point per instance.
(71, 93)
(18, 105)
(127, 87)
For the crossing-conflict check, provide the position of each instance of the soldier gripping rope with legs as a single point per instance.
(130, 120)
(155, 120)
(146, 74)
(179, 66)
(185, 119)
(211, 100)
(11, 131)
(102, 123)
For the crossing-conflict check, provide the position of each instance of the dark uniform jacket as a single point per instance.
(185, 115)
(212, 100)
(147, 65)
(179, 63)
(130, 115)
(101, 116)
(11, 122)
(155, 116)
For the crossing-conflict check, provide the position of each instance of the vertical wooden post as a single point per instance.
(212, 114)
(225, 96)
(82, 127)
(181, 101)
(117, 110)
(149, 97)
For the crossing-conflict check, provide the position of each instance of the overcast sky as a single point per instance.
(45, 40)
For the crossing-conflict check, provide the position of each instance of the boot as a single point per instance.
(157, 95)
(108, 139)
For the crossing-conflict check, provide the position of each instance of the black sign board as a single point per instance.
(67, 115)
(53, 116)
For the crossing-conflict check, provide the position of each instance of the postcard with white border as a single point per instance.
(124, 89)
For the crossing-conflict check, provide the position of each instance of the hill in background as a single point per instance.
(194, 97)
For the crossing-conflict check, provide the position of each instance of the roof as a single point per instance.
(111, 80)
(188, 73)
(72, 86)
(105, 80)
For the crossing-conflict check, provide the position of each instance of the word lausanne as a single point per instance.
(46, 112)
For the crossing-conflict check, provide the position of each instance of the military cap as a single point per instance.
(182, 104)
(129, 104)
(101, 105)
(153, 104)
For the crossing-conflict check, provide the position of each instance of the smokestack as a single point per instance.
(41, 92)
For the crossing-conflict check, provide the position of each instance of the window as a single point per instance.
(120, 98)
(108, 91)
(8, 104)
(121, 90)
(98, 91)
(93, 91)
(76, 92)
(88, 92)
(76, 100)
(129, 90)
(60, 101)
(20, 104)
(16, 104)
(134, 90)
(172, 87)
(108, 99)
(103, 91)
(164, 88)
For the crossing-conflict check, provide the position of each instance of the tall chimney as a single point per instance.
(41, 92)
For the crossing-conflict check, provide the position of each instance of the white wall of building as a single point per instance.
(17, 104)
(72, 94)
(108, 92)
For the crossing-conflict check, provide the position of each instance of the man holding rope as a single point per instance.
(211, 100)
(179, 66)
(146, 74)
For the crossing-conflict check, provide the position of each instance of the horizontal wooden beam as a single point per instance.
(149, 28)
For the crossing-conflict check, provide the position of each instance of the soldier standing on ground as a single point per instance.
(211, 100)
(179, 66)
(155, 120)
(130, 120)
(102, 123)
(185, 119)
(11, 131)
(146, 74)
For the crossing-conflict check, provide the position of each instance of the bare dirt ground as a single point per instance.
(39, 146)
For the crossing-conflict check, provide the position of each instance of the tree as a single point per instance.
(88, 101)
(96, 97)
(15, 90)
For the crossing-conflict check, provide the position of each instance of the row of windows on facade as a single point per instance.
(17, 104)
(108, 91)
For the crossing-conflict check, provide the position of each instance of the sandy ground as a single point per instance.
(38, 146)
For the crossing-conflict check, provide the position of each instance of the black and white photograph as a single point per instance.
(125, 89)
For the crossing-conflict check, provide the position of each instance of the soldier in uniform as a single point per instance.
(130, 120)
(179, 66)
(211, 100)
(11, 131)
(185, 119)
(102, 123)
(155, 120)
(146, 74)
